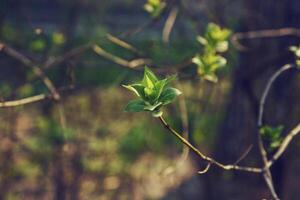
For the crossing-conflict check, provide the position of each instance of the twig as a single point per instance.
(243, 155)
(31, 99)
(169, 25)
(267, 173)
(204, 157)
(23, 101)
(205, 169)
(28, 63)
(120, 61)
(283, 146)
(122, 43)
(184, 120)
(268, 33)
(68, 55)
(267, 89)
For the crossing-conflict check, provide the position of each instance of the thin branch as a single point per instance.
(140, 27)
(68, 55)
(29, 63)
(268, 33)
(205, 169)
(267, 173)
(243, 155)
(120, 61)
(23, 101)
(204, 157)
(32, 99)
(267, 89)
(122, 43)
(285, 143)
(185, 121)
(169, 25)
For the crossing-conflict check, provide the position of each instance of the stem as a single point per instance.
(204, 157)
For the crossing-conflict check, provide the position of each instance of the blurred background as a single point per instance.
(84, 146)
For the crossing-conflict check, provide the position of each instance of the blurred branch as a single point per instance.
(236, 37)
(169, 25)
(122, 43)
(185, 121)
(23, 101)
(244, 154)
(120, 61)
(28, 63)
(31, 99)
(68, 55)
(140, 27)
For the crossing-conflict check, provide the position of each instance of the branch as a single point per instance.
(122, 44)
(169, 25)
(267, 89)
(120, 61)
(32, 99)
(68, 55)
(285, 143)
(267, 173)
(23, 101)
(29, 63)
(268, 33)
(204, 157)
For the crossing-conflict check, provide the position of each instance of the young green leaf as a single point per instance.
(152, 92)
(149, 76)
(138, 89)
(135, 106)
(169, 95)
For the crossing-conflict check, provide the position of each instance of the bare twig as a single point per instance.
(23, 101)
(243, 155)
(122, 43)
(267, 89)
(120, 61)
(206, 158)
(263, 34)
(267, 173)
(169, 25)
(285, 143)
(29, 63)
(205, 169)
(32, 99)
(68, 55)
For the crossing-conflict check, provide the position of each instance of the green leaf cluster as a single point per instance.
(296, 51)
(154, 7)
(272, 135)
(152, 92)
(215, 42)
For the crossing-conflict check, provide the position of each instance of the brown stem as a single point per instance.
(207, 158)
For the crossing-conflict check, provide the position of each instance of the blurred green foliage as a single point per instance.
(272, 135)
(155, 7)
(214, 41)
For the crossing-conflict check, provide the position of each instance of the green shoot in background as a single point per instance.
(215, 42)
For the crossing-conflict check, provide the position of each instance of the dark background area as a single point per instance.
(85, 147)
